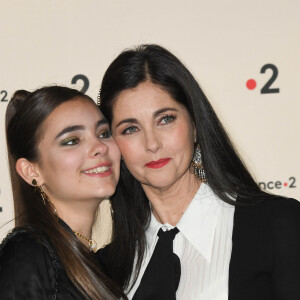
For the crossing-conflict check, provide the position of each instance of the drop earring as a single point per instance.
(40, 190)
(197, 165)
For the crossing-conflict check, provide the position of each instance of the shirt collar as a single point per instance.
(198, 223)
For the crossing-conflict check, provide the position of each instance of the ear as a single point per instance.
(29, 171)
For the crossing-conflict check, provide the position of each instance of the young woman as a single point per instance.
(63, 163)
(195, 223)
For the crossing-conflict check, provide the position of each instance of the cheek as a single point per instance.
(61, 162)
(115, 155)
(182, 140)
(129, 149)
(113, 149)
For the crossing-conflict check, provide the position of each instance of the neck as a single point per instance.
(169, 203)
(78, 216)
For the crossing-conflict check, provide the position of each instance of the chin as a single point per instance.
(107, 188)
(106, 193)
(160, 184)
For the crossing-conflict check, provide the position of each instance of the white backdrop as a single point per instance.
(223, 43)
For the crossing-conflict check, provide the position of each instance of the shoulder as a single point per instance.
(26, 266)
(270, 207)
(272, 218)
(25, 247)
(21, 242)
(284, 215)
(285, 209)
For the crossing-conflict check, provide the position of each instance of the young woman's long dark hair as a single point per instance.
(25, 116)
(225, 171)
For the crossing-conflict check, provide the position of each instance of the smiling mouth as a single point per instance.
(97, 170)
(101, 170)
(157, 164)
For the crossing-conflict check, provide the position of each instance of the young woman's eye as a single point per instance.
(105, 134)
(70, 141)
(167, 119)
(130, 130)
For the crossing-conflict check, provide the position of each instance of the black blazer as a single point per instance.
(265, 259)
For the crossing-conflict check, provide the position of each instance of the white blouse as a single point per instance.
(203, 245)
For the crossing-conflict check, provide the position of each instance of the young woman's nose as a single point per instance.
(99, 148)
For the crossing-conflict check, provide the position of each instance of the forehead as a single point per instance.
(72, 108)
(145, 97)
(79, 111)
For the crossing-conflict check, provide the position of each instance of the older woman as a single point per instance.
(195, 223)
(63, 163)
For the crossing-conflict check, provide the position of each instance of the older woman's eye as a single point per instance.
(167, 119)
(105, 134)
(70, 141)
(130, 130)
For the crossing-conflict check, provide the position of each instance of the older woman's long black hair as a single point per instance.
(225, 171)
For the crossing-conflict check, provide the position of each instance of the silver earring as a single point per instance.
(197, 165)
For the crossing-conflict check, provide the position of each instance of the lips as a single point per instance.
(101, 170)
(158, 163)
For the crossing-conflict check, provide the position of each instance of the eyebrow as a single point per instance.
(160, 111)
(79, 127)
(155, 114)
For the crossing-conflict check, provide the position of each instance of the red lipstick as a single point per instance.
(158, 163)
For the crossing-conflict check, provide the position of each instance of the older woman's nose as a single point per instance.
(153, 142)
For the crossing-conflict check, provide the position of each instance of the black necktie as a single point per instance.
(161, 278)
